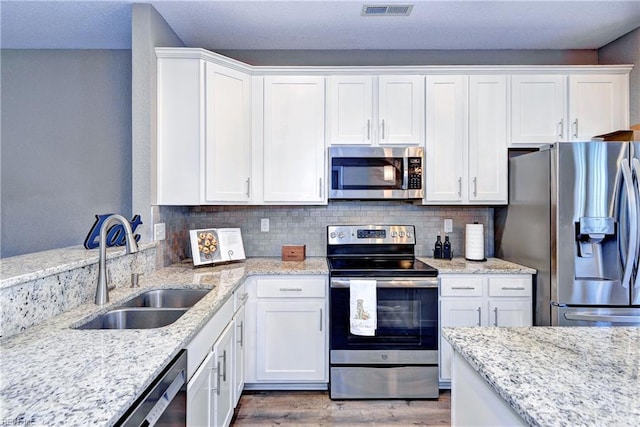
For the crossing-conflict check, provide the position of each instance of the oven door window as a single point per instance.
(407, 319)
(349, 173)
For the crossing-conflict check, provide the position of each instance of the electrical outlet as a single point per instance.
(159, 231)
(264, 225)
(448, 225)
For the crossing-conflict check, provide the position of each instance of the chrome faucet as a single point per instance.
(102, 291)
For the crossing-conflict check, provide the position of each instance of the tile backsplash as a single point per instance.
(307, 225)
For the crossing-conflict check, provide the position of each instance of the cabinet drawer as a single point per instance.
(461, 286)
(510, 286)
(301, 287)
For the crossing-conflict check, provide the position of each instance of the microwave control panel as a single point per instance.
(415, 173)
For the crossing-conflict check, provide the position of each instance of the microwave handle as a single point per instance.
(405, 173)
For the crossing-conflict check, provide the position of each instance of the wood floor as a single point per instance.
(314, 408)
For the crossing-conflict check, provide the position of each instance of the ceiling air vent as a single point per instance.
(387, 10)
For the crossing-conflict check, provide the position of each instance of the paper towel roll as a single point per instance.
(474, 242)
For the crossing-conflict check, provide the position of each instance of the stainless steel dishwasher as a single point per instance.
(164, 403)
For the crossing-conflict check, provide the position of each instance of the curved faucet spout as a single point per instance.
(102, 290)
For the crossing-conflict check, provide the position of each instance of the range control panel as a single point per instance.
(370, 234)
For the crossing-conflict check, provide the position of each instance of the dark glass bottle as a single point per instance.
(446, 248)
(437, 250)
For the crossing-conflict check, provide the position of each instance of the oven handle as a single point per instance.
(414, 282)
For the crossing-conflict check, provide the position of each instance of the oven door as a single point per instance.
(407, 315)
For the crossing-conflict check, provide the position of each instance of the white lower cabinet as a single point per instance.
(210, 390)
(215, 365)
(239, 353)
(481, 300)
(287, 339)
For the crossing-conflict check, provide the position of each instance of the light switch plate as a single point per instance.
(448, 225)
(159, 231)
(264, 225)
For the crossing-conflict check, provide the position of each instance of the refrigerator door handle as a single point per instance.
(587, 317)
(635, 251)
(633, 221)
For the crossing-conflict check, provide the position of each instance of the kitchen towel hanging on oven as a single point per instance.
(363, 304)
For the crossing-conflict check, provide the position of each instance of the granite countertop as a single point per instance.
(560, 376)
(53, 374)
(490, 266)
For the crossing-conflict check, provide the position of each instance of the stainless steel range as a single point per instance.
(383, 314)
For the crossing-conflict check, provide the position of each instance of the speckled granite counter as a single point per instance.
(55, 375)
(462, 266)
(559, 376)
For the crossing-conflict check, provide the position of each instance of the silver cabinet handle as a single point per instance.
(249, 187)
(463, 288)
(459, 186)
(290, 289)
(320, 188)
(561, 126)
(475, 186)
(517, 288)
(320, 320)
(479, 316)
(369, 129)
(575, 128)
(224, 366)
(218, 378)
(495, 313)
(382, 128)
(241, 340)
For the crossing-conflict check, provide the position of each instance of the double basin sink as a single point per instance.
(151, 309)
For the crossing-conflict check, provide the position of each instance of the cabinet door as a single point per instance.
(458, 312)
(510, 312)
(294, 164)
(180, 131)
(227, 153)
(199, 394)
(239, 354)
(488, 156)
(538, 108)
(350, 110)
(400, 109)
(446, 138)
(291, 340)
(597, 104)
(223, 394)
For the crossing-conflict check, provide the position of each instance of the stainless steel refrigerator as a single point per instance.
(573, 215)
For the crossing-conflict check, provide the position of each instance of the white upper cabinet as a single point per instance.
(557, 108)
(228, 135)
(376, 110)
(538, 109)
(203, 152)
(597, 104)
(488, 153)
(293, 146)
(466, 142)
(446, 138)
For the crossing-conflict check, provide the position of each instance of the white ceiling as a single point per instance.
(329, 24)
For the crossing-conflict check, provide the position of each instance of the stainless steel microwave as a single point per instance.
(376, 172)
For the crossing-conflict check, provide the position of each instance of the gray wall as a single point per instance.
(66, 145)
(413, 57)
(149, 30)
(626, 50)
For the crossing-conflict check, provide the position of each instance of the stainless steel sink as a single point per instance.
(167, 298)
(135, 318)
